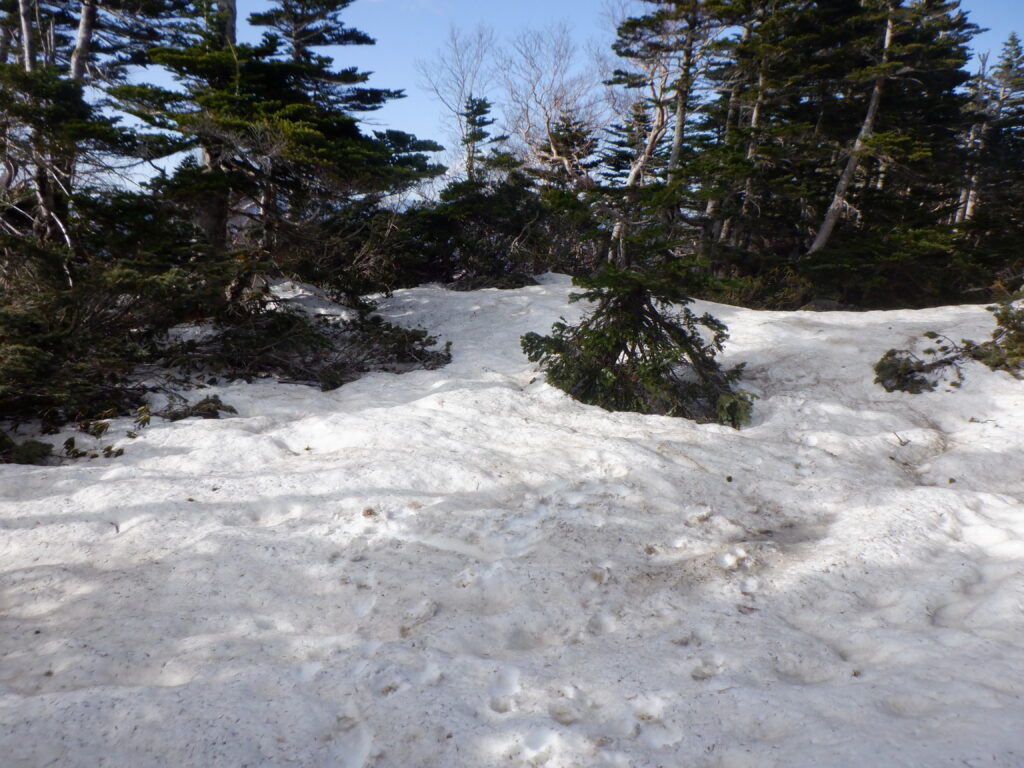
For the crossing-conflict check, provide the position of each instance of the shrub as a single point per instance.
(27, 452)
(902, 370)
(262, 340)
(642, 349)
(1005, 350)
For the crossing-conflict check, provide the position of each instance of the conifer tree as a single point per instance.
(991, 200)
(91, 271)
(275, 122)
(476, 119)
(641, 347)
(792, 193)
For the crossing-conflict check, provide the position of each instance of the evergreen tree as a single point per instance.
(641, 348)
(90, 272)
(276, 127)
(82, 291)
(476, 120)
(792, 193)
(991, 203)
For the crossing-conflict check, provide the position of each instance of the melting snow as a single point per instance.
(464, 567)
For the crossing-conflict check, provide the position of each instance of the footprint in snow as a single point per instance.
(709, 667)
(804, 669)
(503, 690)
(732, 559)
(352, 741)
(417, 614)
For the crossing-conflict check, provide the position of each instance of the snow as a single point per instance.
(464, 567)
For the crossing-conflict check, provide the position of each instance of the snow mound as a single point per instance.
(464, 567)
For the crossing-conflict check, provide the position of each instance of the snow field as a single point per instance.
(464, 567)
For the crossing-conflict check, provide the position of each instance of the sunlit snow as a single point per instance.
(464, 567)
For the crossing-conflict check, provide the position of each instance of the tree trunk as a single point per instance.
(6, 35)
(43, 226)
(63, 164)
(214, 212)
(867, 128)
(754, 142)
(659, 125)
(28, 41)
(83, 42)
(969, 197)
(213, 217)
(720, 228)
(229, 10)
(268, 209)
(683, 87)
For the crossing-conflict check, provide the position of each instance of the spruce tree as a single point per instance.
(276, 124)
(991, 204)
(831, 147)
(641, 348)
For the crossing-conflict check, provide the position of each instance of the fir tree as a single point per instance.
(641, 348)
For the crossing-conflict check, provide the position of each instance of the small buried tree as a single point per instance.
(643, 349)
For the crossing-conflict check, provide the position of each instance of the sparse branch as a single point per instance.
(457, 72)
(545, 84)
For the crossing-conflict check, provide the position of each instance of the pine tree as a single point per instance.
(90, 272)
(82, 291)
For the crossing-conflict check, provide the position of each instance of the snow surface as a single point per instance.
(464, 567)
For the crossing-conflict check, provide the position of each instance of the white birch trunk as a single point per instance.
(867, 128)
(654, 136)
(683, 87)
(28, 43)
(83, 41)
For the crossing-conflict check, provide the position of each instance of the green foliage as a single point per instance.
(71, 451)
(901, 369)
(261, 340)
(49, 370)
(207, 408)
(92, 275)
(1005, 350)
(482, 231)
(25, 452)
(73, 326)
(642, 349)
(794, 82)
(275, 122)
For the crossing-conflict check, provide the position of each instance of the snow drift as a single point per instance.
(464, 567)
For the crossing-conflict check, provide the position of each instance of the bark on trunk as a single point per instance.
(6, 34)
(83, 42)
(64, 167)
(683, 88)
(720, 228)
(230, 22)
(969, 197)
(28, 40)
(213, 217)
(867, 128)
(43, 225)
(617, 253)
(754, 143)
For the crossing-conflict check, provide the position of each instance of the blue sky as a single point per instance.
(407, 30)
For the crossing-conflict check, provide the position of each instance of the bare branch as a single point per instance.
(459, 70)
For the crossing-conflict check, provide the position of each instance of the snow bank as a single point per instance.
(464, 567)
